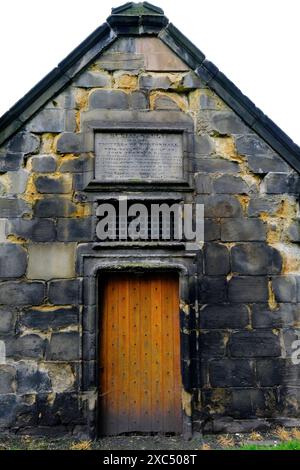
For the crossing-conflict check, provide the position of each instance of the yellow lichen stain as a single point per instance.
(290, 256)
(287, 209)
(82, 98)
(48, 308)
(225, 146)
(184, 307)
(274, 233)
(126, 81)
(15, 239)
(225, 339)
(48, 143)
(195, 100)
(51, 398)
(271, 298)
(180, 101)
(186, 400)
(244, 201)
(31, 195)
(77, 121)
(82, 210)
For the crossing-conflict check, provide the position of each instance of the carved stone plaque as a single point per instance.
(136, 156)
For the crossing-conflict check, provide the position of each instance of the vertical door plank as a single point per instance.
(145, 354)
(157, 372)
(134, 367)
(123, 354)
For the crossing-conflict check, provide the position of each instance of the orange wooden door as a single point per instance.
(140, 378)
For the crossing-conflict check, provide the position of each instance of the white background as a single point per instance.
(255, 43)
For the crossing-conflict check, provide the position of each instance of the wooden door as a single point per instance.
(140, 378)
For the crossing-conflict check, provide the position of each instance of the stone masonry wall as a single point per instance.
(249, 301)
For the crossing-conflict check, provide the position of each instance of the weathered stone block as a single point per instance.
(262, 164)
(248, 403)
(121, 61)
(13, 208)
(165, 102)
(289, 404)
(215, 165)
(27, 346)
(32, 380)
(24, 142)
(285, 288)
(92, 79)
(75, 229)
(283, 316)
(212, 344)
(48, 120)
(39, 230)
(54, 184)
(216, 259)
(10, 161)
(138, 100)
(231, 373)
(290, 335)
(53, 207)
(211, 230)
(69, 142)
(191, 81)
(255, 258)
(248, 289)
(252, 144)
(13, 260)
(7, 410)
(279, 183)
(224, 316)
(78, 164)
(227, 123)
(3, 223)
(7, 320)
(230, 184)
(257, 343)
(43, 163)
(294, 231)
(213, 290)
(51, 260)
(159, 82)
(64, 347)
(203, 183)
(269, 372)
(220, 206)
(267, 205)
(21, 293)
(208, 102)
(17, 181)
(64, 292)
(108, 99)
(204, 145)
(62, 375)
(7, 379)
(242, 230)
(49, 319)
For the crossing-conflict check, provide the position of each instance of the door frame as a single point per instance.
(91, 265)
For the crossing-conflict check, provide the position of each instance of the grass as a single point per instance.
(286, 445)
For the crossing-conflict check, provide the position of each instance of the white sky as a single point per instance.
(255, 43)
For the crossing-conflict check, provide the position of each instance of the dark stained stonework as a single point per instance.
(239, 290)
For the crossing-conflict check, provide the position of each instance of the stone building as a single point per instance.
(94, 338)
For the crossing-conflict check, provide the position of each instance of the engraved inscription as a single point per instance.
(134, 156)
